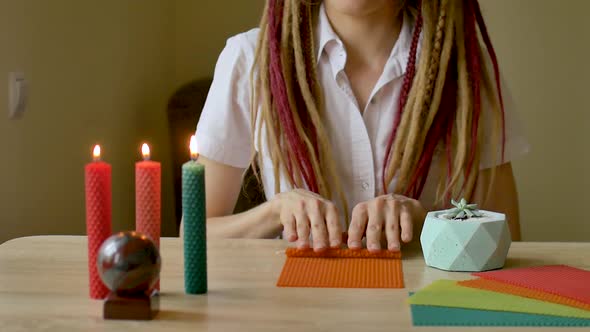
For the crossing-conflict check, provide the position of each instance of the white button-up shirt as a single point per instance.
(358, 136)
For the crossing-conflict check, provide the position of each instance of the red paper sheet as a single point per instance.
(559, 280)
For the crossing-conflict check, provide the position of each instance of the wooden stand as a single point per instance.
(140, 307)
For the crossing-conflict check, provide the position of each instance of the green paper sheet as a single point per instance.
(423, 315)
(446, 293)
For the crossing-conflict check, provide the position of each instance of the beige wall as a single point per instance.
(99, 72)
(544, 51)
(102, 72)
(202, 27)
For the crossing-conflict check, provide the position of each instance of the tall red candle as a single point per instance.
(98, 217)
(147, 196)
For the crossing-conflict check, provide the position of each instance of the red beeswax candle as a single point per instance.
(98, 217)
(147, 196)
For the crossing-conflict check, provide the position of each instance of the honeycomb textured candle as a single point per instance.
(98, 220)
(148, 201)
(195, 241)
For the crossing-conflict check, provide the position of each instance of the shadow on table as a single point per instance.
(411, 250)
(526, 262)
(185, 316)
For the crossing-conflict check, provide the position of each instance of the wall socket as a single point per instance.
(17, 95)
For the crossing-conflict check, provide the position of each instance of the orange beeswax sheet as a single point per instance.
(342, 268)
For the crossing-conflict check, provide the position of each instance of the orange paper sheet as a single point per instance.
(342, 268)
(500, 287)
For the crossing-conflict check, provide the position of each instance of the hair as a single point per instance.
(439, 104)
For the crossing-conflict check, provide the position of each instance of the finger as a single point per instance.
(302, 230)
(319, 233)
(375, 225)
(406, 224)
(392, 226)
(308, 194)
(333, 224)
(289, 227)
(358, 223)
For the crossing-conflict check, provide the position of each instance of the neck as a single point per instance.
(368, 37)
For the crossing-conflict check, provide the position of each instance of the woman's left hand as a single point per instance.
(389, 215)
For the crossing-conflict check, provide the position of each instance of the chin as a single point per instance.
(359, 7)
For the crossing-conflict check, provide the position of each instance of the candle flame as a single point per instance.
(96, 152)
(145, 151)
(193, 148)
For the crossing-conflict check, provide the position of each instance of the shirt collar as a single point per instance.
(325, 34)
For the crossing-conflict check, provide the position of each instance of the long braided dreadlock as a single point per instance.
(440, 101)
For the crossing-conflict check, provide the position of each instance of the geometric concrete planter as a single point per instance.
(474, 244)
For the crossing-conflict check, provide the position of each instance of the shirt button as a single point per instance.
(373, 101)
(365, 186)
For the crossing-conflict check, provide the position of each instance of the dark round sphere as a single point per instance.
(129, 263)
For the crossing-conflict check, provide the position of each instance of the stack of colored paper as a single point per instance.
(539, 296)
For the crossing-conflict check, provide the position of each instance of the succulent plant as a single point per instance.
(463, 210)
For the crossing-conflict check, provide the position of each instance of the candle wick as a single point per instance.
(96, 158)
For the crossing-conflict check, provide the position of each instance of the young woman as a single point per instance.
(361, 115)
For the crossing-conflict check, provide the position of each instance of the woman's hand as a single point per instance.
(302, 212)
(389, 215)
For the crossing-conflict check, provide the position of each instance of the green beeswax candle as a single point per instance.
(195, 217)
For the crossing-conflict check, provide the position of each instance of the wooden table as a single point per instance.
(43, 287)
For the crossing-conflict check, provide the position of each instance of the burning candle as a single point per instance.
(194, 224)
(147, 197)
(97, 178)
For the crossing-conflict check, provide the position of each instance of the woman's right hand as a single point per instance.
(302, 213)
